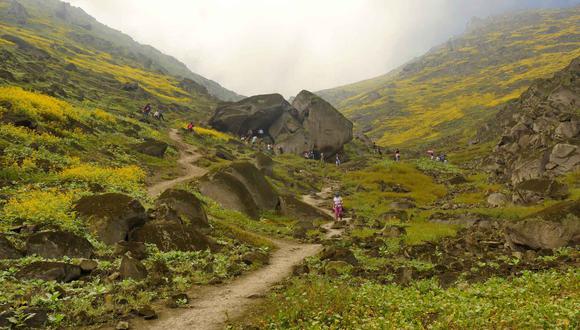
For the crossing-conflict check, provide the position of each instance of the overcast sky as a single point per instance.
(265, 46)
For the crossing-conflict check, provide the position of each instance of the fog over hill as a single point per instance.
(258, 46)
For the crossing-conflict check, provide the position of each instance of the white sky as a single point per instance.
(284, 46)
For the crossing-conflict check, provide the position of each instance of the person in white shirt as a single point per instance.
(337, 207)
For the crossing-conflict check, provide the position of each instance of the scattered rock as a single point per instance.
(400, 215)
(300, 269)
(122, 325)
(337, 267)
(458, 179)
(111, 216)
(256, 257)
(536, 190)
(7, 250)
(130, 87)
(338, 254)
(402, 205)
(58, 244)
(497, 200)
(392, 231)
(50, 271)
(38, 318)
(147, 312)
(132, 268)
(177, 300)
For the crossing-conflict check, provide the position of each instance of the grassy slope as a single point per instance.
(453, 88)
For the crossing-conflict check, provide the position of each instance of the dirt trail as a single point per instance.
(187, 156)
(213, 306)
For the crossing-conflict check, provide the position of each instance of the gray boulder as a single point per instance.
(242, 187)
(50, 271)
(497, 200)
(252, 113)
(110, 217)
(176, 205)
(132, 268)
(152, 147)
(326, 128)
(58, 244)
(554, 227)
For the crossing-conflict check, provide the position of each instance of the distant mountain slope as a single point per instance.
(452, 88)
(67, 34)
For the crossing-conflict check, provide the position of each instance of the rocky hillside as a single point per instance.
(451, 89)
(540, 136)
(57, 47)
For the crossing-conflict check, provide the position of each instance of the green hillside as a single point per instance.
(74, 49)
(455, 86)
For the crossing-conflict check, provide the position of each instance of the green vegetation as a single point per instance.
(546, 300)
(447, 93)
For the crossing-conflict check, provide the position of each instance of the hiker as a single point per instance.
(147, 110)
(397, 156)
(254, 139)
(190, 127)
(337, 161)
(261, 133)
(269, 148)
(337, 207)
(431, 154)
(322, 157)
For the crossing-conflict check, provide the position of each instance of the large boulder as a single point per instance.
(292, 207)
(310, 123)
(7, 249)
(497, 200)
(110, 217)
(554, 227)
(168, 236)
(181, 206)
(50, 271)
(242, 187)
(152, 147)
(327, 129)
(58, 244)
(535, 190)
(334, 253)
(252, 113)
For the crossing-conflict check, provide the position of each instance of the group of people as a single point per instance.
(158, 114)
(441, 158)
(317, 155)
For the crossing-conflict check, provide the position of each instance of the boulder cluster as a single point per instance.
(309, 123)
(541, 137)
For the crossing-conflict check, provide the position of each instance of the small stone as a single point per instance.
(517, 254)
(113, 277)
(88, 265)
(147, 312)
(122, 325)
(178, 300)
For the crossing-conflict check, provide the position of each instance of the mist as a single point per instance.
(284, 46)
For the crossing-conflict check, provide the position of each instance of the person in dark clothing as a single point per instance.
(147, 110)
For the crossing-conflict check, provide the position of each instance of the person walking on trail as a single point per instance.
(337, 161)
(337, 207)
(397, 156)
(322, 158)
(147, 110)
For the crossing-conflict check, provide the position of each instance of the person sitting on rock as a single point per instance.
(337, 207)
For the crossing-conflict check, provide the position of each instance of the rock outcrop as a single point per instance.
(310, 123)
(110, 217)
(152, 147)
(541, 130)
(242, 187)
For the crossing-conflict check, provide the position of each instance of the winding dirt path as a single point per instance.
(187, 156)
(212, 306)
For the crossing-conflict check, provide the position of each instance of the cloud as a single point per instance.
(265, 46)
